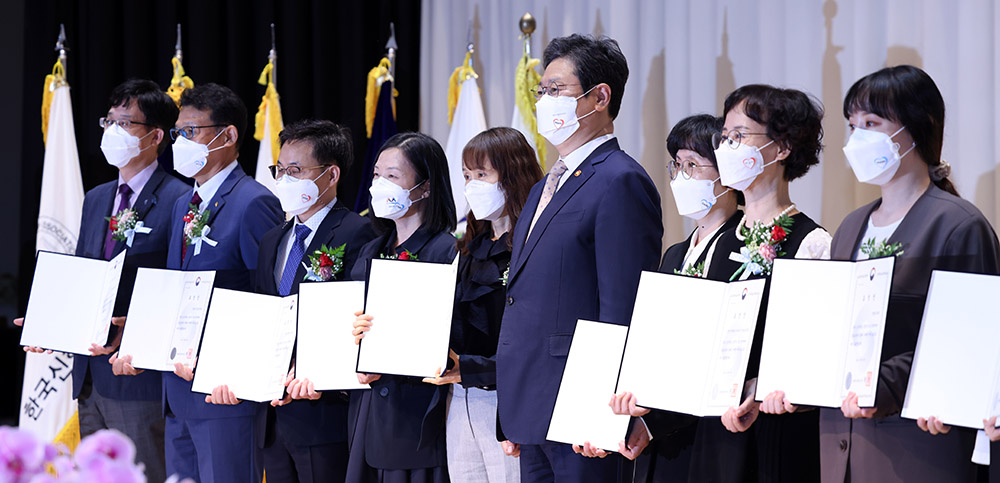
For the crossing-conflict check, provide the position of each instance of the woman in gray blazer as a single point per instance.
(896, 117)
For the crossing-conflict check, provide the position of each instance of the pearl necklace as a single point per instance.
(743, 221)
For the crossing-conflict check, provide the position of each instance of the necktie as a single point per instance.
(109, 243)
(551, 183)
(195, 200)
(294, 259)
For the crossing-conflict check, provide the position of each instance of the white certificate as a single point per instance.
(955, 375)
(411, 304)
(247, 345)
(689, 343)
(581, 413)
(325, 350)
(165, 317)
(71, 302)
(823, 332)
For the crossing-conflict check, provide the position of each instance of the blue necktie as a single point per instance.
(294, 259)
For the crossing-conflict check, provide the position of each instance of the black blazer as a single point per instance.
(324, 421)
(406, 417)
(153, 207)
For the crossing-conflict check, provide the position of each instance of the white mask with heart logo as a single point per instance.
(874, 156)
(739, 167)
(556, 117)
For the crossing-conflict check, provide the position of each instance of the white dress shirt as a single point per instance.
(579, 155)
(285, 246)
(207, 191)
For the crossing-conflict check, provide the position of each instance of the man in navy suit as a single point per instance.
(586, 232)
(207, 442)
(135, 133)
(306, 440)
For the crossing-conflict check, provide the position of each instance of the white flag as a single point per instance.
(48, 409)
(264, 156)
(518, 123)
(468, 121)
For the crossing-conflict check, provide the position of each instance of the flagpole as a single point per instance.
(61, 45)
(273, 57)
(527, 26)
(391, 49)
(178, 53)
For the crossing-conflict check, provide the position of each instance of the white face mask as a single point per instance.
(191, 157)
(739, 167)
(389, 200)
(694, 197)
(119, 146)
(297, 195)
(485, 199)
(556, 117)
(874, 156)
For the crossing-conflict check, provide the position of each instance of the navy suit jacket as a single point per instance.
(601, 229)
(153, 207)
(241, 211)
(406, 417)
(324, 421)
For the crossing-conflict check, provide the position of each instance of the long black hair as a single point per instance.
(907, 95)
(430, 163)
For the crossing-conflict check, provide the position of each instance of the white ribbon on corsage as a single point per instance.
(138, 228)
(196, 241)
(749, 266)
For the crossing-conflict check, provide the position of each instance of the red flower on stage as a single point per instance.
(404, 256)
(778, 233)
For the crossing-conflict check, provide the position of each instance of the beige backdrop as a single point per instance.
(685, 56)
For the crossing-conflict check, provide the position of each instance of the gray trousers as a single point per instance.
(141, 421)
(474, 454)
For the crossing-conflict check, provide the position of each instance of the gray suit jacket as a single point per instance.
(940, 232)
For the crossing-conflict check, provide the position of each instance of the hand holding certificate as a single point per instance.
(823, 332)
(326, 354)
(581, 413)
(692, 357)
(71, 302)
(955, 376)
(166, 317)
(247, 345)
(410, 304)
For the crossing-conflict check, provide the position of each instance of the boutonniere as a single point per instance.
(881, 249)
(762, 246)
(692, 270)
(125, 225)
(325, 263)
(406, 255)
(506, 273)
(196, 228)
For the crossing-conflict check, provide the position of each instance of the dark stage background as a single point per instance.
(325, 49)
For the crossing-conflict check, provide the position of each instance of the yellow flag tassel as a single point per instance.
(56, 79)
(376, 76)
(458, 76)
(270, 107)
(178, 82)
(525, 80)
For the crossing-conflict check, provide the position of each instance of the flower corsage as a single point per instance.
(125, 225)
(406, 255)
(763, 245)
(697, 271)
(196, 229)
(325, 263)
(881, 249)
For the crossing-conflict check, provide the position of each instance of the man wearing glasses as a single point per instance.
(306, 441)
(586, 233)
(217, 227)
(134, 133)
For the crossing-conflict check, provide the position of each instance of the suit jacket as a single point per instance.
(241, 211)
(582, 261)
(940, 232)
(153, 207)
(406, 417)
(324, 421)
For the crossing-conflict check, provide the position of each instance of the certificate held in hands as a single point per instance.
(410, 304)
(955, 375)
(581, 413)
(166, 317)
(71, 302)
(824, 328)
(325, 350)
(690, 356)
(247, 345)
